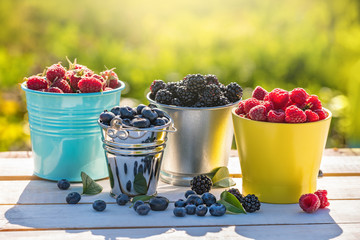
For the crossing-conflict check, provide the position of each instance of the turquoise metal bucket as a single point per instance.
(65, 135)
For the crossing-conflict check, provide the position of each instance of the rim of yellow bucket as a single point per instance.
(120, 88)
(246, 119)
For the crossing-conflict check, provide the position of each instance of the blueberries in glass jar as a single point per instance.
(140, 108)
(106, 117)
(159, 122)
(116, 110)
(127, 112)
(159, 112)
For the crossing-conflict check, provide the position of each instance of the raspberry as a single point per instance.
(55, 71)
(279, 97)
(90, 84)
(309, 202)
(321, 113)
(55, 90)
(250, 103)
(266, 98)
(277, 116)
(313, 103)
(311, 116)
(111, 78)
(63, 85)
(268, 105)
(298, 95)
(259, 93)
(293, 114)
(36, 83)
(74, 76)
(240, 109)
(258, 113)
(322, 195)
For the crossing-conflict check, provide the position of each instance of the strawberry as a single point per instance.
(63, 85)
(55, 90)
(36, 83)
(90, 84)
(293, 114)
(259, 93)
(54, 72)
(279, 97)
(111, 78)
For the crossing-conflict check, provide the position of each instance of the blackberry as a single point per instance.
(251, 203)
(156, 85)
(163, 96)
(186, 97)
(211, 95)
(176, 102)
(237, 194)
(222, 88)
(222, 101)
(195, 82)
(201, 184)
(172, 87)
(199, 104)
(233, 92)
(211, 79)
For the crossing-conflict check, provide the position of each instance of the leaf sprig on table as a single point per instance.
(221, 177)
(90, 187)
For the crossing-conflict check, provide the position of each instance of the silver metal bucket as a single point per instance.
(202, 142)
(131, 151)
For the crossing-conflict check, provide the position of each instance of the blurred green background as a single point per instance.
(287, 44)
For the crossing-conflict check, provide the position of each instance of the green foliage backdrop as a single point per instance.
(310, 44)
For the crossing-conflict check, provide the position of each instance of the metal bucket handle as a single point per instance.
(122, 131)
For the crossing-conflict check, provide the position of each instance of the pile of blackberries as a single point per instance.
(195, 90)
(140, 117)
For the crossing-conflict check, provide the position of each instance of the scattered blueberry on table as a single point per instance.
(73, 198)
(99, 205)
(63, 184)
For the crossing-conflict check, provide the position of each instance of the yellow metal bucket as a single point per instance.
(279, 161)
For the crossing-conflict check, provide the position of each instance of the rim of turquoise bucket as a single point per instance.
(122, 86)
(284, 123)
(190, 108)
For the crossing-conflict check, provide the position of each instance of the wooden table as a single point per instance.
(31, 208)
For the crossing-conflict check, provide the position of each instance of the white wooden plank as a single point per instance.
(39, 191)
(16, 167)
(81, 216)
(281, 232)
(339, 164)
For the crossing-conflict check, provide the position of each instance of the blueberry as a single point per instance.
(188, 193)
(201, 210)
(159, 122)
(143, 209)
(116, 110)
(99, 205)
(140, 108)
(217, 209)
(138, 203)
(127, 112)
(73, 198)
(179, 211)
(158, 203)
(122, 199)
(126, 122)
(208, 199)
(194, 199)
(106, 117)
(190, 209)
(159, 112)
(140, 122)
(180, 203)
(149, 113)
(152, 106)
(63, 184)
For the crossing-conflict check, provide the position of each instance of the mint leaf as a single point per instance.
(221, 177)
(142, 198)
(140, 185)
(232, 204)
(90, 187)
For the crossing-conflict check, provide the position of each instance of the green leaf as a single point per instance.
(212, 173)
(90, 187)
(140, 185)
(222, 177)
(232, 204)
(142, 198)
(225, 182)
